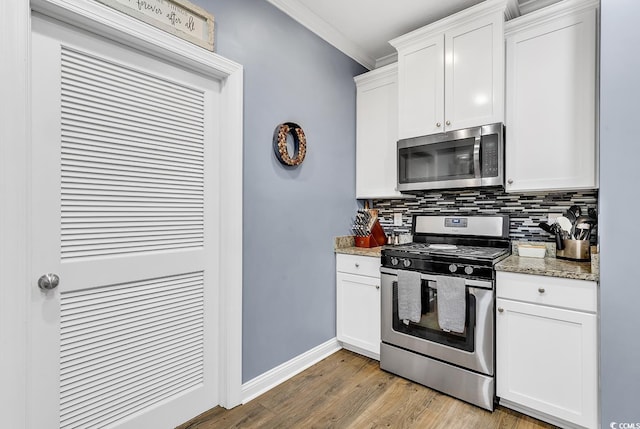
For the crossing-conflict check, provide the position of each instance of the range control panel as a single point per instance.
(455, 222)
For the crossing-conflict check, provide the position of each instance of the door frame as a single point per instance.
(15, 142)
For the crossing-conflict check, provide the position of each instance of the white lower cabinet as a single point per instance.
(358, 303)
(546, 348)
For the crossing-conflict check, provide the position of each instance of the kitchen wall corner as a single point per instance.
(291, 215)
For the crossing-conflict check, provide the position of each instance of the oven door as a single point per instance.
(472, 349)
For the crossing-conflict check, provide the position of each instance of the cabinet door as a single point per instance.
(546, 360)
(358, 312)
(474, 77)
(421, 89)
(377, 134)
(551, 95)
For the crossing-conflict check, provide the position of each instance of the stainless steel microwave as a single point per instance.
(467, 158)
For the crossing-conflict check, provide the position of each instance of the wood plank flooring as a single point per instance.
(347, 390)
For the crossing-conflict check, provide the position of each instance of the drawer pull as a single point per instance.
(500, 309)
(541, 289)
(377, 286)
(357, 265)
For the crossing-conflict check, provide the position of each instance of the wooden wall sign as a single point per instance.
(178, 17)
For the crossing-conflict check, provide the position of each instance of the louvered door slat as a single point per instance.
(150, 344)
(116, 109)
(150, 391)
(116, 171)
(127, 350)
(125, 159)
(79, 389)
(116, 81)
(113, 139)
(80, 118)
(123, 149)
(79, 124)
(116, 73)
(164, 122)
(123, 352)
(121, 138)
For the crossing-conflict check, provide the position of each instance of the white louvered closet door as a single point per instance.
(125, 211)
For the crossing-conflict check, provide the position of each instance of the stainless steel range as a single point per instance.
(438, 301)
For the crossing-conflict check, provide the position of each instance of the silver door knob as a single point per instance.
(48, 281)
(448, 122)
(500, 309)
(438, 124)
(510, 181)
(541, 289)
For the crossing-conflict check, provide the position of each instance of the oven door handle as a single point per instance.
(485, 284)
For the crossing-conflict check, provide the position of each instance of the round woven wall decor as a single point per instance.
(280, 144)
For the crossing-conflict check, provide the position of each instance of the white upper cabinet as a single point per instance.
(421, 93)
(551, 86)
(474, 73)
(377, 133)
(451, 73)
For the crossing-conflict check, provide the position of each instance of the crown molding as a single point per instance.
(387, 59)
(378, 76)
(424, 33)
(548, 13)
(324, 30)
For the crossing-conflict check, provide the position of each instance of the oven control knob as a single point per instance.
(406, 263)
(394, 261)
(468, 270)
(453, 268)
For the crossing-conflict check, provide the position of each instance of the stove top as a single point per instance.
(479, 253)
(467, 246)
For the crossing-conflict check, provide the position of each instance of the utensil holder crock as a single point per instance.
(575, 250)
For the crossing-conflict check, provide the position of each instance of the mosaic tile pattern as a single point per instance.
(525, 211)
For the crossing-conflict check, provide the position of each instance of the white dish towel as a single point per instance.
(452, 303)
(409, 296)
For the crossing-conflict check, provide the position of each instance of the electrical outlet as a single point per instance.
(552, 218)
(397, 219)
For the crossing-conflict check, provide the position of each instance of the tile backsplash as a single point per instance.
(525, 211)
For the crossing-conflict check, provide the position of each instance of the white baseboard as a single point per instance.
(270, 379)
(360, 351)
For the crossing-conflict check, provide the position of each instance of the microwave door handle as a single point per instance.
(476, 158)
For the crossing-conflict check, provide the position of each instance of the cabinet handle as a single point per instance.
(377, 286)
(510, 181)
(500, 309)
(448, 122)
(357, 265)
(438, 124)
(541, 289)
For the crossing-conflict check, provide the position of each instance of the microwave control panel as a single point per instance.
(489, 158)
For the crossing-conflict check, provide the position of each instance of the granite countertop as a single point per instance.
(346, 245)
(549, 267)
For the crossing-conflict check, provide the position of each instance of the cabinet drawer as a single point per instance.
(558, 292)
(356, 264)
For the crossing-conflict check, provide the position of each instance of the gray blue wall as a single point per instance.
(619, 201)
(290, 215)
